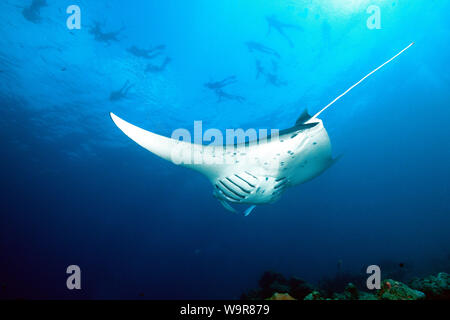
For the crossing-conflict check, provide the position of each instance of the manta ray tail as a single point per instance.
(364, 78)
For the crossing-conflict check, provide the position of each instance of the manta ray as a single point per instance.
(254, 172)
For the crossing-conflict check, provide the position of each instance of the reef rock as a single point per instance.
(350, 293)
(272, 282)
(275, 283)
(367, 296)
(299, 288)
(274, 286)
(254, 294)
(434, 287)
(395, 290)
(281, 296)
(315, 295)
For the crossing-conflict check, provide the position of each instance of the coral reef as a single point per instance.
(350, 293)
(390, 290)
(274, 286)
(315, 295)
(281, 296)
(337, 283)
(273, 282)
(396, 290)
(299, 288)
(434, 287)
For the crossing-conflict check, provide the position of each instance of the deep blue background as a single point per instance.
(75, 190)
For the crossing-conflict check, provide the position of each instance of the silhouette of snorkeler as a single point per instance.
(121, 93)
(101, 36)
(220, 84)
(221, 95)
(146, 53)
(33, 12)
(259, 69)
(217, 86)
(256, 46)
(155, 69)
(273, 22)
(271, 77)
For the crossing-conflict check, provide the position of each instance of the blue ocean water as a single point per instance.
(76, 190)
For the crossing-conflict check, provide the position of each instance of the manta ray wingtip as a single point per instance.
(113, 116)
(335, 160)
(119, 122)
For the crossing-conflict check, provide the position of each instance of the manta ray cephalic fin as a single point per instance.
(227, 206)
(249, 210)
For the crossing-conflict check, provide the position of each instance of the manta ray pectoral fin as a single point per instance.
(299, 127)
(249, 210)
(304, 126)
(161, 146)
(333, 161)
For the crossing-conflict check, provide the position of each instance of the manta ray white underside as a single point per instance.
(256, 172)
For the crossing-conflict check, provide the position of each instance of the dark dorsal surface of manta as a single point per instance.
(251, 173)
